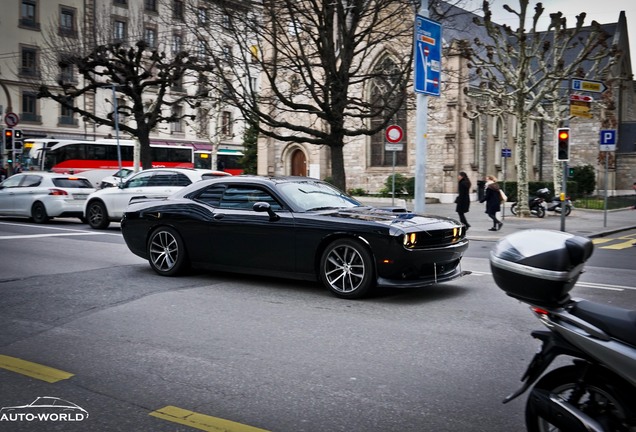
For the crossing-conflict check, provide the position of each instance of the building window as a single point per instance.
(381, 97)
(150, 37)
(67, 22)
(67, 73)
(202, 16)
(226, 21)
(177, 9)
(226, 124)
(227, 54)
(177, 124)
(67, 117)
(29, 107)
(29, 62)
(120, 30)
(29, 14)
(150, 5)
(120, 2)
(177, 43)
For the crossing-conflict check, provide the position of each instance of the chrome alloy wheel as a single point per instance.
(345, 268)
(164, 251)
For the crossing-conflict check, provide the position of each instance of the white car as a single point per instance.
(43, 195)
(117, 178)
(107, 205)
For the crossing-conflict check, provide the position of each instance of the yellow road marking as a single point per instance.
(602, 240)
(622, 245)
(201, 421)
(34, 370)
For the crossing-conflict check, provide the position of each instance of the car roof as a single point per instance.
(48, 174)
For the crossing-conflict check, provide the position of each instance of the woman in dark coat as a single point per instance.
(463, 198)
(492, 197)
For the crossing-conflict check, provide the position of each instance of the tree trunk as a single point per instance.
(337, 167)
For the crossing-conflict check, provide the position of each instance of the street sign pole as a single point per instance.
(608, 144)
(427, 49)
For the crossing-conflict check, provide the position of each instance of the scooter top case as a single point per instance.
(539, 267)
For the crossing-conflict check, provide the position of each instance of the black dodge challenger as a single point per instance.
(293, 227)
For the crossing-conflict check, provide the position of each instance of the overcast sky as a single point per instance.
(603, 11)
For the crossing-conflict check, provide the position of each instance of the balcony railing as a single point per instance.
(29, 23)
(67, 121)
(30, 117)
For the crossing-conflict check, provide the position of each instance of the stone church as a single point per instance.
(461, 138)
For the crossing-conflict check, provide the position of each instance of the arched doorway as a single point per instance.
(298, 163)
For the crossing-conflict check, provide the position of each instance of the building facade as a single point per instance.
(30, 30)
(462, 137)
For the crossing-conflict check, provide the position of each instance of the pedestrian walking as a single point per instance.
(492, 198)
(463, 198)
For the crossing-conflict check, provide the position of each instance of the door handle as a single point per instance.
(219, 216)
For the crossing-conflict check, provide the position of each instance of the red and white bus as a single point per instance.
(226, 160)
(78, 156)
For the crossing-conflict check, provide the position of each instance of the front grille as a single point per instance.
(431, 239)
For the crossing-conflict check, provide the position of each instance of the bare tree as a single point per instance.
(313, 61)
(526, 71)
(150, 80)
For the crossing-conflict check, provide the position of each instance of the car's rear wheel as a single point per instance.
(346, 268)
(166, 252)
(38, 213)
(97, 215)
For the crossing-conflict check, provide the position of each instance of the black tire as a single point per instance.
(540, 211)
(38, 213)
(346, 269)
(568, 210)
(166, 252)
(513, 209)
(604, 397)
(97, 215)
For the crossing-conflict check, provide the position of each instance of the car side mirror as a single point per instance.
(261, 207)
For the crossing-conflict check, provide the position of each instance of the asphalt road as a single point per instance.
(149, 353)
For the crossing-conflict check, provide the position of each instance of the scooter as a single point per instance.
(596, 392)
(554, 203)
(535, 204)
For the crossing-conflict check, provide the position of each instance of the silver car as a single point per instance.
(107, 205)
(43, 195)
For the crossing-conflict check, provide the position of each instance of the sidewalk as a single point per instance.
(587, 223)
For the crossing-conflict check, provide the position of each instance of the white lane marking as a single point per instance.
(27, 236)
(69, 231)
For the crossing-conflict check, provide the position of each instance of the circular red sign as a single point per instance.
(394, 134)
(11, 119)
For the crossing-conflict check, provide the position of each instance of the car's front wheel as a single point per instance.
(97, 215)
(346, 268)
(38, 213)
(166, 252)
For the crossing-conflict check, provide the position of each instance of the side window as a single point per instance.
(12, 182)
(162, 178)
(244, 197)
(31, 181)
(140, 180)
(211, 196)
(181, 179)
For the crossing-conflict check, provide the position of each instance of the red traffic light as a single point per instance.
(8, 133)
(564, 135)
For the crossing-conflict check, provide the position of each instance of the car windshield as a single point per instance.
(316, 195)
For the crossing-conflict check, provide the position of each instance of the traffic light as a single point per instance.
(17, 140)
(563, 144)
(8, 139)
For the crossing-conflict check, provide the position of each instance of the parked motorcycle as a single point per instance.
(544, 201)
(554, 203)
(596, 392)
(535, 204)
